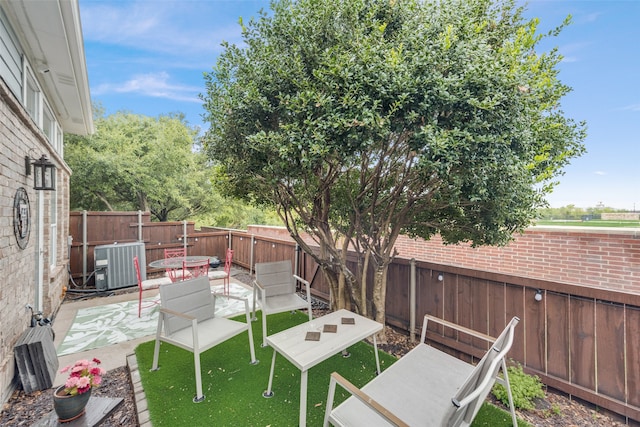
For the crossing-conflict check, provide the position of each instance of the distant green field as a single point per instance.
(591, 223)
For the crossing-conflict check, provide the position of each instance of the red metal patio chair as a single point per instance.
(175, 253)
(225, 274)
(176, 274)
(144, 285)
(193, 269)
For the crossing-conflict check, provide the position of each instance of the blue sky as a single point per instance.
(148, 57)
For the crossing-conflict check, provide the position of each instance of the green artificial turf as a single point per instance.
(490, 416)
(591, 223)
(233, 387)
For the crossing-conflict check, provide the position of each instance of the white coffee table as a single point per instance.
(304, 354)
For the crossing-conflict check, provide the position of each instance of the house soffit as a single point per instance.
(50, 32)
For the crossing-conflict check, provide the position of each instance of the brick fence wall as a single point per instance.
(587, 256)
(598, 257)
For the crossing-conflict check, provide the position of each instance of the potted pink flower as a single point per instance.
(84, 374)
(70, 399)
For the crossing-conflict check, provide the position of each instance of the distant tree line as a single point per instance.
(572, 212)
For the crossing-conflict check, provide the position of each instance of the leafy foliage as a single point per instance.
(572, 212)
(365, 119)
(136, 162)
(524, 388)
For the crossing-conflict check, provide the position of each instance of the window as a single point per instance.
(32, 97)
(11, 68)
(48, 123)
(35, 103)
(59, 144)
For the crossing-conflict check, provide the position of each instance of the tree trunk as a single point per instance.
(379, 299)
(104, 200)
(363, 285)
(343, 290)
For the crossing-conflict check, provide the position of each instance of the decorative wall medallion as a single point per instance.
(21, 217)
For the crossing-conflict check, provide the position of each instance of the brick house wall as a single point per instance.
(20, 137)
(44, 93)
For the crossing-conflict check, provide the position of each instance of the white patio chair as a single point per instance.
(187, 320)
(276, 285)
(426, 387)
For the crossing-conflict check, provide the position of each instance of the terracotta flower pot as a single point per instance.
(67, 407)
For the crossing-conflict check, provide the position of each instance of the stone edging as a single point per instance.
(139, 398)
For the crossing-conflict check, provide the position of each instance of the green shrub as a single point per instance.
(524, 388)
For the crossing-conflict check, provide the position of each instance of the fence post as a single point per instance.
(84, 247)
(412, 301)
(140, 226)
(253, 242)
(184, 235)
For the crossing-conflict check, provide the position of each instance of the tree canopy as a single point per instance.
(137, 162)
(360, 120)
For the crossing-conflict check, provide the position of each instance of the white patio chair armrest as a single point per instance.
(262, 291)
(300, 279)
(471, 332)
(307, 285)
(233, 297)
(176, 313)
(243, 299)
(257, 284)
(499, 359)
(364, 398)
(474, 394)
(259, 288)
(193, 319)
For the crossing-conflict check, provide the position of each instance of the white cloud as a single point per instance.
(569, 59)
(600, 173)
(588, 17)
(571, 51)
(156, 85)
(179, 28)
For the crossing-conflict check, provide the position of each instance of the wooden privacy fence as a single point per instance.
(581, 340)
(91, 229)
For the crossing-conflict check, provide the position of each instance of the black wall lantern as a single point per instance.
(44, 173)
